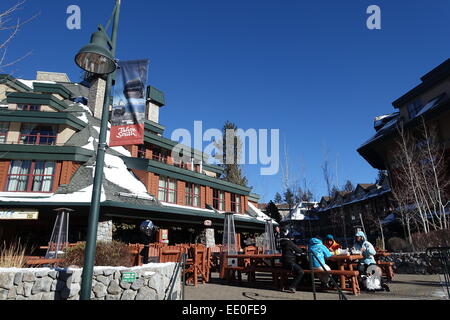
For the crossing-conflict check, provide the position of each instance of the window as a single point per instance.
(4, 127)
(235, 203)
(142, 152)
(218, 200)
(37, 134)
(414, 108)
(28, 107)
(192, 197)
(167, 190)
(30, 176)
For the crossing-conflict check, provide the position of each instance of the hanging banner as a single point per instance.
(128, 112)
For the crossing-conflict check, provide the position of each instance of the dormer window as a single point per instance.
(414, 108)
(35, 134)
(28, 107)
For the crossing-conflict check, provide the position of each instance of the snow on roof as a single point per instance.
(90, 145)
(117, 172)
(82, 196)
(166, 204)
(30, 83)
(261, 216)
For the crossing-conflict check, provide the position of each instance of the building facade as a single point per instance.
(365, 208)
(49, 132)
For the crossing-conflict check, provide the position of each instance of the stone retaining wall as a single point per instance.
(152, 283)
(414, 263)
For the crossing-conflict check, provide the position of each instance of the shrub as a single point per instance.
(12, 255)
(108, 254)
(396, 244)
(437, 238)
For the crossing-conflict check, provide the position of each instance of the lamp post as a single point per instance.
(98, 58)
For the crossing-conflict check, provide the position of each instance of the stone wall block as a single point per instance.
(29, 277)
(129, 295)
(99, 290)
(18, 278)
(42, 285)
(6, 280)
(114, 288)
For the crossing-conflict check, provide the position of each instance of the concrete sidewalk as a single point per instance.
(404, 287)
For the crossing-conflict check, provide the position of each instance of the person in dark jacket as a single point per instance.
(277, 239)
(289, 252)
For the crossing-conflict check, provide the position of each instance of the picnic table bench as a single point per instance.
(268, 264)
(33, 262)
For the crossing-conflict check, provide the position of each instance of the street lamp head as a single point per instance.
(96, 57)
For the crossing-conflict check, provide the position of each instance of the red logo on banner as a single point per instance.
(127, 135)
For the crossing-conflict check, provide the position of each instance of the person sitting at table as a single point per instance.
(318, 254)
(331, 244)
(366, 249)
(289, 253)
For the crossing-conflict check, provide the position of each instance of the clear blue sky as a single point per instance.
(309, 68)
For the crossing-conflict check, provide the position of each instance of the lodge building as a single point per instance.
(49, 130)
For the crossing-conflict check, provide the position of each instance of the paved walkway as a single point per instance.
(405, 287)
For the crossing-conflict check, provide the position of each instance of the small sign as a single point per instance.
(129, 277)
(19, 214)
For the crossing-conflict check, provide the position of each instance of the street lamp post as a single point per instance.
(98, 58)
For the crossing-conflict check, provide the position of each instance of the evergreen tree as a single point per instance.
(289, 198)
(272, 211)
(278, 199)
(231, 144)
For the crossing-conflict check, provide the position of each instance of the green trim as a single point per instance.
(42, 117)
(156, 96)
(155, 127)
(36, 99)
(55, 153)
(174, 214)
(13, 83)
(154, 213)
(185, 175)
(52, 88)
(254, 197)
(213, 168)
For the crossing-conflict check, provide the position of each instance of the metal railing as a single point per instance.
(311, 254)
(442, 255)
(179, 266)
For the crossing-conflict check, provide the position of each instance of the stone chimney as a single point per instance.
(52, 76)
(97, 96)
(155, 101)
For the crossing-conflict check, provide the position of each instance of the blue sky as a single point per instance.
(309, 68)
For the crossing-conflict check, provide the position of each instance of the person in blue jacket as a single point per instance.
(320, 253)
(367, 251)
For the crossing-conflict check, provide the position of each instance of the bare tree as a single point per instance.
(421, 178)
(327, 174)
(10, 26)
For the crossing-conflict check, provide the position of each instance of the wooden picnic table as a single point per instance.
(248, 263)
(345, 262)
